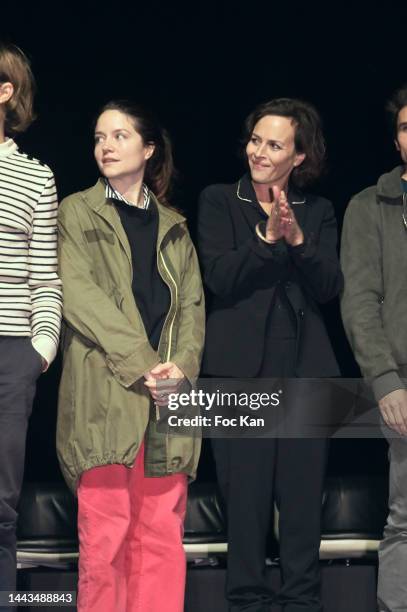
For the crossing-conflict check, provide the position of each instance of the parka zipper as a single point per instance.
(171, 326)
(404, 210)
(175, 310)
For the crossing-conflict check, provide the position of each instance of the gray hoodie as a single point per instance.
(374, 263)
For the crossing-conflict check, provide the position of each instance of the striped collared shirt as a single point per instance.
(113, 194)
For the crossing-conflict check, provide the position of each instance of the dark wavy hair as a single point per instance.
(393, 106)
(15, 69)
(308, 138)
(159, 170)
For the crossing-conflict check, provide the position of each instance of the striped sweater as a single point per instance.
(30, 290)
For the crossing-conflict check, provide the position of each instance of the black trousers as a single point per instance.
(252, 474)
(20, 366)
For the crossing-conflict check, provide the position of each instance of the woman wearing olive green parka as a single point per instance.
(134, 314)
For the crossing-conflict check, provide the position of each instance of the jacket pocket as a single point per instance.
(96, 235)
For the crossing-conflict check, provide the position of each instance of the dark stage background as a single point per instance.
(202, 67)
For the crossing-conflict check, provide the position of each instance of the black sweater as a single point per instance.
(150, 292)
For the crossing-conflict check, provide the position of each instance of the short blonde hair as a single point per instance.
(15, 68)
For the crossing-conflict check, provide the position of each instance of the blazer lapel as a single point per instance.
(247, 199)
(299, 205)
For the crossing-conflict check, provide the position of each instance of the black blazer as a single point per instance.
(242, 272)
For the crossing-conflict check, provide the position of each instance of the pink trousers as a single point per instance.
(130, 528)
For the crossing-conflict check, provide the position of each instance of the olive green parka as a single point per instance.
(105, 410)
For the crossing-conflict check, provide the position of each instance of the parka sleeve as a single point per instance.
(191, 330)
(317, 259)
(361, 259)
(228, 269)
(88, 309)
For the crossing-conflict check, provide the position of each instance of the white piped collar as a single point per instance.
(245, 192)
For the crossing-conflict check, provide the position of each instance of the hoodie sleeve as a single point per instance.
(361, 258)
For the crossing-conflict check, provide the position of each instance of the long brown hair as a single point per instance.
(159, 170)
(15, 69)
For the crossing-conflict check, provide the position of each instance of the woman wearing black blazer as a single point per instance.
(268, 253)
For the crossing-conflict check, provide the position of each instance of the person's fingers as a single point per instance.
(163, 368)
(173, 371)
(390, 423)
(153, 393)
(163, 372)
(276, 193)
(403, 411)
(390, 418)
(291, 218)
(398, 418)
(283, 198)
(157, 369)
(158, 396)
(157, 391)
(387, 416)
(286, 220)
(161, 398)
(160, 383)
(167, 389)
(286, 211)
(287, 226)
(150, 383)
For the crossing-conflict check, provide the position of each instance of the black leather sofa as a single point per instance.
(354, 512)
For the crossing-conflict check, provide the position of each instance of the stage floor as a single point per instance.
(345, 588)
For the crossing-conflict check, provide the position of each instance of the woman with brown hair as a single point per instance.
(30, 290)
(134, 315)
(268, 253)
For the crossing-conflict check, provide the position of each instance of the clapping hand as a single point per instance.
(282, 222)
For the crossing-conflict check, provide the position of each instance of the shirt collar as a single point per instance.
(112, 194)
(7, 148)
(245, 191)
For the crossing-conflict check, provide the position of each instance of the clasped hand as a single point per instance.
(282, 222)
(163, 379)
